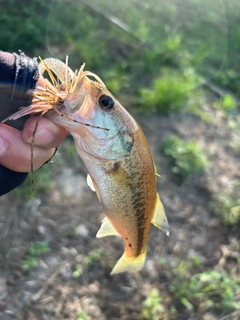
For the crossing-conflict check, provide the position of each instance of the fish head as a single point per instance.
(98, 122)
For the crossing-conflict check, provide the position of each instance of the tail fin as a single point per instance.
(129, 264)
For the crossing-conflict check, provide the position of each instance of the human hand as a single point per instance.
(15, 146)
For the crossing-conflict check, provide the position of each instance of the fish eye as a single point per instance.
(106, 102)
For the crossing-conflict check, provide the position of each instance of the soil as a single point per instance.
(68, 216)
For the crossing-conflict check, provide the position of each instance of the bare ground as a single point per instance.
(68, 216)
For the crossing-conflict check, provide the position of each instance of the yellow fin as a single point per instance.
(106, 229)
(159, 219)
(129, 264)
(90, 183)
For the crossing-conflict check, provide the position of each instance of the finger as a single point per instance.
(15, 154)
(48, 134)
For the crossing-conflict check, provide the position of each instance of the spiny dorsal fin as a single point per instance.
(159, 219)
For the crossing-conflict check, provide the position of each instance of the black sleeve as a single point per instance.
(18, 74)
(10, 179)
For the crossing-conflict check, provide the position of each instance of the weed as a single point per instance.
(152, 306)
(227, 204)
(187, 156)
(228, 207)
(234, 125)
(94, 256)
(35, 250)
(78, 271)
(229, 79)
(116, 79)
(169, 92)
(212, 290)
(82, 316)
(29, 263)
(227, 104)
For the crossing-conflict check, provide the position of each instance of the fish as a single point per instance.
(115, 152)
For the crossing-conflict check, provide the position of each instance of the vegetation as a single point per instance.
(86, 262)
(228, 207)
(94, 256)
(152, 306)
(194, 290)
(132, 46)
(35, 250)
(188, 159)
(78, 271)
(82, 316)
(170, 92)
(42, 182)
(210, 290)
(227, 103)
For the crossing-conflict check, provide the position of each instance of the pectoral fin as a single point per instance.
(90, 183)
(92, 186)
(106, 229)
(159, 218)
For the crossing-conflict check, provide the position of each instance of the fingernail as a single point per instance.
(43, 136)
(3, 147)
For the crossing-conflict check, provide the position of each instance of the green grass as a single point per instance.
(170, 92)
(186, 155)
(78, 271)
(35, 250)
(227, 207)
(213, 290)
(87, 261)
(227, 103)
(82, 316)
(94, 256)
(153, 306)
(152, 36)
(193, 291)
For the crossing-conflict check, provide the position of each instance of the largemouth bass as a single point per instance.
(117, 157)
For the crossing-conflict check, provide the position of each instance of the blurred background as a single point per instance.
(174, 65)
